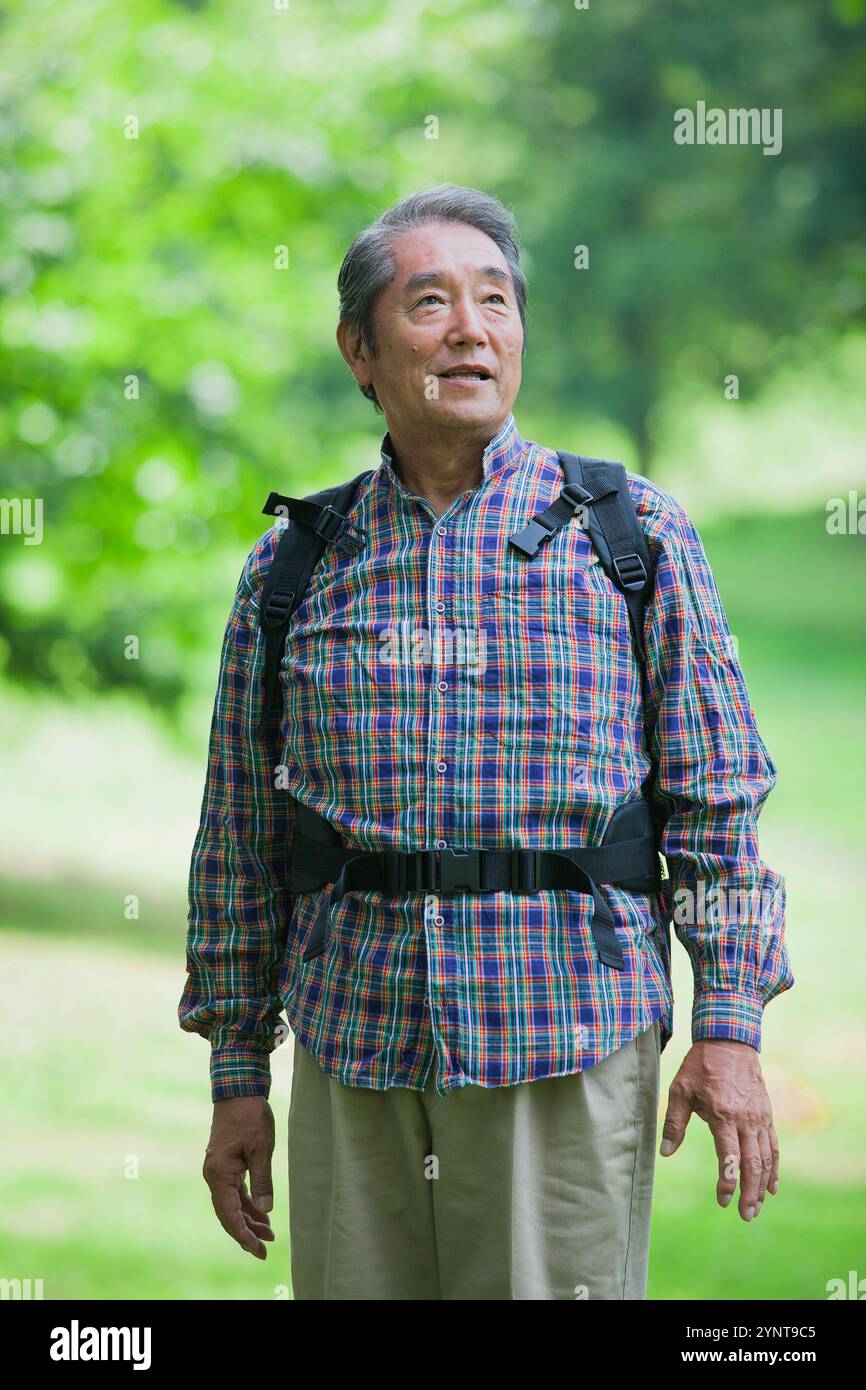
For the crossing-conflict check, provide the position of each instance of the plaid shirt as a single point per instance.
(441, 690)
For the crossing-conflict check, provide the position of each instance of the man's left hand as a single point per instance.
(720, 1080)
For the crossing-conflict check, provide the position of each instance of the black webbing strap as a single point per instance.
(491, 871)
(324, 518)
(315, 522)
(622, 548)
(618, 862)
(545, 524)
(628, 558)
(600, 486)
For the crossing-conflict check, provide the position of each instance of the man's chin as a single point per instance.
(474, 407)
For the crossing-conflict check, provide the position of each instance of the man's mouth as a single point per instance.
(466, 374)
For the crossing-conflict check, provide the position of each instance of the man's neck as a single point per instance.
(439, 467)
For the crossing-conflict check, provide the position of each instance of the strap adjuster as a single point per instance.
(525, 870)
(409, 871)
(393, 872)
(631, 570)
(278, 607)
(576, 496)
(329, 523)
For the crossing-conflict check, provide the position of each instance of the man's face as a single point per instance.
(450, 304)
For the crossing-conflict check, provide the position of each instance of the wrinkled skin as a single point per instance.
(242, 1141)
(720, 1081)
(467, 313)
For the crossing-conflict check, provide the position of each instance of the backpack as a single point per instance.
(628, 854)
(597, 485)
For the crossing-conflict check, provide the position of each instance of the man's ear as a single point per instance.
(355, 351)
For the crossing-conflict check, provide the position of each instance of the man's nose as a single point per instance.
(467, 323)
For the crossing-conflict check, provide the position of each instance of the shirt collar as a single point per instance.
(503, 451)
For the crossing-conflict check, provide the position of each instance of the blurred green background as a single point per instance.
(160, 374)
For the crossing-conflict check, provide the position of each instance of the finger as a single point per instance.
(261, 1182)
(256, 1220)
(766, 1168)
(226, 1199)
(261, 1232)
(727, 1143)
(751, 1169)
(249, 1206)
(773, 1184)
(677, 1116)
(258, 1225)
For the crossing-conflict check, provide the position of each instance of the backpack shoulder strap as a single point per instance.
(625, 556)
(601, 489)
(314, 522)
(616, 533)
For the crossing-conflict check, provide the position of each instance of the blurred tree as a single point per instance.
(704, 260)
(181, 185)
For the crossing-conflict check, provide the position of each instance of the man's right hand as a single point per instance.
(241, 1140)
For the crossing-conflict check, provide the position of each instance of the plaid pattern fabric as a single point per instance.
(441, 690)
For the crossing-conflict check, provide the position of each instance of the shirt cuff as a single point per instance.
(239, 1071)
(726, 1013)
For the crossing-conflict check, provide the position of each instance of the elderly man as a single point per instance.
(476, 1057)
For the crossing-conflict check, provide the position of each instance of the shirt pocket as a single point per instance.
(551, 615)
(557, 656)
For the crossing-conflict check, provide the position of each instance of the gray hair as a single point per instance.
(369, 266)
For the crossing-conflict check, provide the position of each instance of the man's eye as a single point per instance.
(437, 299)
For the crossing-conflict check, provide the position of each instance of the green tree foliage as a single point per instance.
(182, 181)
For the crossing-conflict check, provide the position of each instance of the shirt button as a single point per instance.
(441, 685)
(440, 608)
(441, 530)
(441, 767)
(439, 921)
(441, 844)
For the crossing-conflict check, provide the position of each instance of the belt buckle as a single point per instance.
(458, 870)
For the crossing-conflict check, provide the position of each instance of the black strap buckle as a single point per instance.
(529, 539)
(410, 871)
(576, 496)
(329, 523)
(459, 871)
(631, 570)
(394, 872)
(525, 870)
(278, 607)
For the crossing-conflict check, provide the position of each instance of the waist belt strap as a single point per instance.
(486, 871)
(315, 863)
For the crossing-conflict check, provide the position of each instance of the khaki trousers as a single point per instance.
(537, 1191)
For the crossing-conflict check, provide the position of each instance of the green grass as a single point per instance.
(99, 1076)
(108, 1114)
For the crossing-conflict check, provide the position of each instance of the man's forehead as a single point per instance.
(420, 278)
(436, 252)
